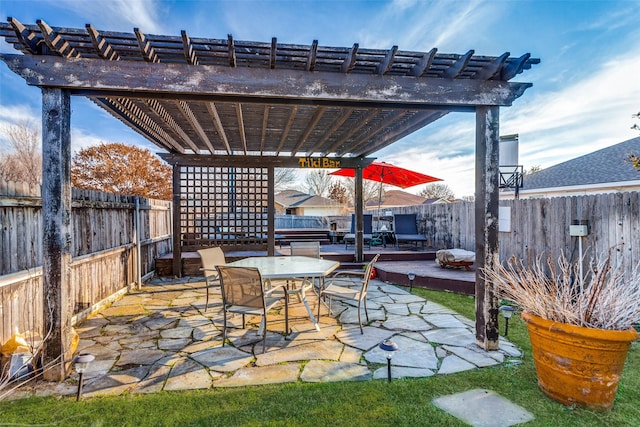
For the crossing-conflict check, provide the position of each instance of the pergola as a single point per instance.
(228, 112)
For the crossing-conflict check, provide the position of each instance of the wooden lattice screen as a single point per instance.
(223, 206)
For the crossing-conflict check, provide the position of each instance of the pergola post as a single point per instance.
(177, 241)
(358, 215)
(271, 211)
(486, 222)
(56, 229)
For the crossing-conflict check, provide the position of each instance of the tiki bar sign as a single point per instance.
(319, 163)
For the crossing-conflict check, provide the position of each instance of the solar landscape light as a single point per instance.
(411, 277)
(389, 347)
(507, 312)
(82, 363)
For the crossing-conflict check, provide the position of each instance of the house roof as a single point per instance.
(294, 199)
(607, 165)
(394, 198)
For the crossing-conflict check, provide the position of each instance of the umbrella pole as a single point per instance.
(379, 202)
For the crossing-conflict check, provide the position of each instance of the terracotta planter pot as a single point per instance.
(576, 365)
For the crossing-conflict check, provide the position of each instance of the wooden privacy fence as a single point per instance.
(539, 227)
(109, 231)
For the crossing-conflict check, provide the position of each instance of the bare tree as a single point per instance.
(533, 169)
(370, 190)
(284, 178)
(23, 162)
(437, 191)
(319, 182)
(339, 193)
(633, 158)
(121, 169)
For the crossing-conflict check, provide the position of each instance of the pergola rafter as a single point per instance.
(226, 103)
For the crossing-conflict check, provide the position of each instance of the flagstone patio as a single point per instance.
(162, 338)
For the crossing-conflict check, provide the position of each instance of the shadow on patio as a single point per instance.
(160, 338)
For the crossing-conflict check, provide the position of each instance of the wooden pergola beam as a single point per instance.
(137, 79)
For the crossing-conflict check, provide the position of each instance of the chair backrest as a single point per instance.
(241, 286)
(211, 257)
(367, 275)
(405, 224)
(310, 249)
(367, 225)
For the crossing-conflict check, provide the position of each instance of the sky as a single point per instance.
(585, 89)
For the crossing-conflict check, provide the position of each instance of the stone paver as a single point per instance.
(322, 371)
(485, 408)
(161, 338)
(286, 373)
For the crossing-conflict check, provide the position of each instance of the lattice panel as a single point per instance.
(223, 206)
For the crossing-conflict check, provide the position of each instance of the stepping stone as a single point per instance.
(509, 349)
(401, 372)
(124, 310)
(184, 332)
(328, 350)
(406, 298)
(154, 381)
(276, 374)
(432, 307)
(223, 359)
(140, 357)
(116, 383)
(480, 407)
(188, 375)
(453, 336)
(350, 354)
(206, 332)
(444, 321)
(410, 353)
(322, 371)
(371, 337)
(452, 364)
(201, 345)
(479, 358)
(399, 309)
(173, 344)
(350, 315)
(160, 323)
(406, 323)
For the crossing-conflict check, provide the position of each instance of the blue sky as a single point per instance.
(584, 91)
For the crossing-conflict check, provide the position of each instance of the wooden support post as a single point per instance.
(56, 229)
(486, 221)
(358, 216)
(177, 211)
(271, 211)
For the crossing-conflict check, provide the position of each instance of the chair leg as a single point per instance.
(365, 310)
(264, 333)
(224, 328)
(206, 304)
(360, 320)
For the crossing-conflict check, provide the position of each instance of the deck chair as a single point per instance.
(342, 286)
(405, 227)
(243, 292)
(367, 229)
(310, 249)
(211, 257)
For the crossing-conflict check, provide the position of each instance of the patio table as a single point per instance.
(291, 267)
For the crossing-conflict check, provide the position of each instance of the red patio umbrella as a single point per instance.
(386, 173)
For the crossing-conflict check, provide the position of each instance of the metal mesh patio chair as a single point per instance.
(243, 292)
(349, 286)
(211, 257)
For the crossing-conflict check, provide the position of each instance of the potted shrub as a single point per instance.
(580, 329)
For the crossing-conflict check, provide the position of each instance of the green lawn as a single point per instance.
(402, 402)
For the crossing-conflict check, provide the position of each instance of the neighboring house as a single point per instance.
(604, 171)
(395, 199)
(293, 202)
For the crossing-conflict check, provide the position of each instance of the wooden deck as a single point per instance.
(392, 266)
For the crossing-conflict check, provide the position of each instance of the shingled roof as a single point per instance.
(608, 165)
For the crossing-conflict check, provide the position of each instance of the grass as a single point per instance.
(402, 402)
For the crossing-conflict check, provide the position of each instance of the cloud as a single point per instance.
(117, 15)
